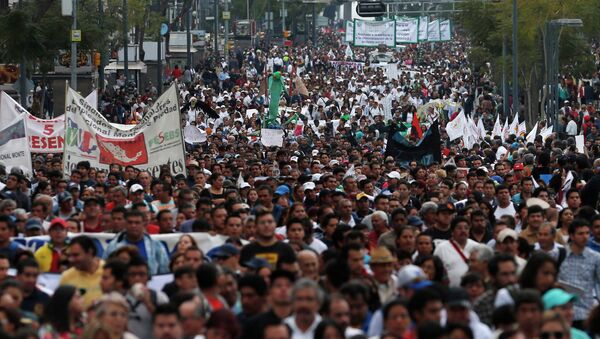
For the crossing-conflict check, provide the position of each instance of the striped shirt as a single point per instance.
(583, 271)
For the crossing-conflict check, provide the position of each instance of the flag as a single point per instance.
(292, 119)
(207, 109)
(522, 129)
(426, 151)
(299, 127)
(350, 172)
(300, 87)
(275, 88)
(349, 53)
(514, 126)
(416, 126)
(497, 131)
(545, 132)
(505, 130)
(456, 127)
(531, 136)
(481, 128)
(240, 180)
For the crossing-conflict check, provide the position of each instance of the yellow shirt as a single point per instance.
(90, 282)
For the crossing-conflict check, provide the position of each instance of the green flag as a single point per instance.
(275, 89)
(292, 119)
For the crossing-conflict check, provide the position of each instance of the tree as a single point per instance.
(488, 23)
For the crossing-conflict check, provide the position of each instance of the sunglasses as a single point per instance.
(548, 335)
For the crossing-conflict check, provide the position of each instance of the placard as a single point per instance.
(433, 31)
(374, 33)
(349, 31)
(423, 25)
(445, 30)
(271, 137)
(407, 30)
(154, 142)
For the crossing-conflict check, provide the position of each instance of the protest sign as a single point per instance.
(433, 31)
(204, 240)
(423, 25)
(155, 141)
(271, 137)
(374, 33)
(193, 135)
(14, 147)
(445, 31)
(349, 34)
(407, 30)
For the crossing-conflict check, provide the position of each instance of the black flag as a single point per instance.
(426, 151)
(207, 109)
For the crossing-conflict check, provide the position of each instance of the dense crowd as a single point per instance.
(326, 236)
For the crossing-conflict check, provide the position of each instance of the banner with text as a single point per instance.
(407, 30)
(374, 33)
(45, 135)
(423, 25)
(445, 30)
(14, 148)
(155, 142)
(433, 31)
(349, 34)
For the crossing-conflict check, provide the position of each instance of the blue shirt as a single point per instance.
(141, 247)
(582, 270)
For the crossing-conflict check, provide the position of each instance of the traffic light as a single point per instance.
(286, 34)
(370, 8)
(97, 59)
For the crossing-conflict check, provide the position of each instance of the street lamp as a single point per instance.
(553, 30)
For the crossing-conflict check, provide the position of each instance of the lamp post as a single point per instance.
(125, 44)
(74, 49)
(553, 30)
(515, 51)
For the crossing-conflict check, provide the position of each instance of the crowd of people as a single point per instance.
(326, 236)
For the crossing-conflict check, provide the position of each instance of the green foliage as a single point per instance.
(20, 37)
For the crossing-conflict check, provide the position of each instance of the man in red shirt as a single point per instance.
(92, 213)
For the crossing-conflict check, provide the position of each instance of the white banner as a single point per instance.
(423, 25)
(407, 30)
(445, 31)
(349, 34)
(205, 241)
(374, 33)
(156, 141)
(433, 31)
(193, 135)
(14, 147)
(271, 137)
(45, 135)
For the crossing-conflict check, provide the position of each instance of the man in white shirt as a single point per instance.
(505, 205)
(456, 251)
(307, 298)
(571, 126)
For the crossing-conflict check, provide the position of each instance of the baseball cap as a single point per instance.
(447, 207)
(64, 196)
(223, 251)
(308, 186)
(245, 185)
(518, 167)
(58, 222)
(394, 175)
(507, 233)
(33, 224)
(414, 221)
(409, 275)
(72, 186)
(256, 263)
(458, 297)
(381, 255)
(294, 159)
(282, 190)
(557, 297)
(136, 188)
(363, 195)
(92, 199)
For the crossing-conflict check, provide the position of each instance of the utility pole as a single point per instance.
(504, 84)
(515, 51)
(74, 49)
(283, 15)
(314, 24)
(226, 21)
(216, 29)
(101, 51)
(188, 36)
(23, 75)
(125, 43)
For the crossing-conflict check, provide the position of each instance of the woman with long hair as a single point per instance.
(62, 314)
(113, 309)
(216, 191)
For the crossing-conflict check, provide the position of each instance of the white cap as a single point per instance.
(315, 152)
(410, 274)
(394, 175)
(316, 176)
(244, 185)
(308, 186)
(507, 233)
(334, 162)
(294, 159)
(135, 188)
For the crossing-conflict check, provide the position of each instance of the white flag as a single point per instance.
(481, 128)
(514, 126)
(531, 136)
(522, 129)
(349, 53)
(505, 130)
(497, 131)
(545, 132)
(350, 172)
(456, 127)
